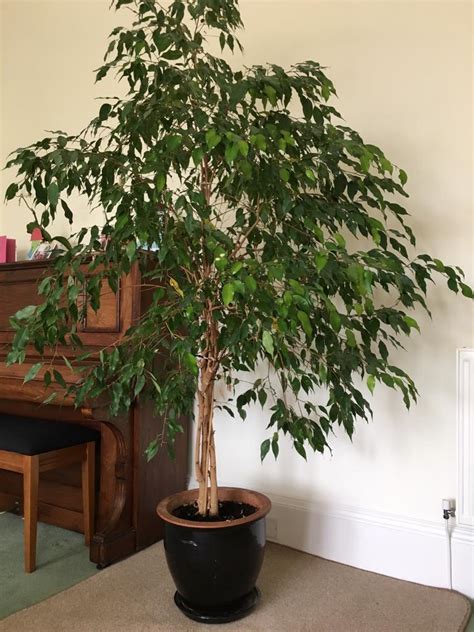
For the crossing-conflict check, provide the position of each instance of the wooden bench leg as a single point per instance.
(88, 490)
(30, 511)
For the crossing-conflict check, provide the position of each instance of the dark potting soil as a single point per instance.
(228, 511)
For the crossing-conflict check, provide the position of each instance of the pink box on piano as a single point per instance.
(7, 249)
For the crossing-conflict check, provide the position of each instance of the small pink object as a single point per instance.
(7, 249)
(3, 248)
(11, 250)
(36, 235)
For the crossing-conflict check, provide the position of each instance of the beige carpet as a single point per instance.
(300, 593)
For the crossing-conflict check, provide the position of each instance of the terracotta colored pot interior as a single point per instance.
(255, 499)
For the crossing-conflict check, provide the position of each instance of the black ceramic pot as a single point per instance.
(215, 565)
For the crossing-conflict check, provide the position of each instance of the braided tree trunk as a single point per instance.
(205, 451)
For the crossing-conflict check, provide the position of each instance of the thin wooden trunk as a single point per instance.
(205, 452)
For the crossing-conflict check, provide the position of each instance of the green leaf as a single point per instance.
(321, 260)
(335, 320)
(310, 175)
(299, 447)
(173, 142)
(325, 91)
(152, 450)
(231, 152)
(237, 93)
(33, 372)
(59, 378)
(53, 194)
(351, 339)
(11, 191)
(139, 384)
(131, 250)
(267, 341)
(340, 240)
(67, 363)
(411, 322)
(228, 293)
(191, 362)
(323, 373)
(246, 168)
(251, 283)
(68, 214)
(275, 447)
(271, 94)
(307, 108)
(172, 54)
(386, 165)
(161, 40)
(63, 241)
(284, 174)
(340, 183)
(452, 284)
(176, 287)
(403, 177)
(220, 261)
(304, 320)
(243, 148)
(41, 194)
(371, 383)
(212, 138)
(50, 398)
(160, 182)
(26, 312)
(264, 449)
(197, 155)
(260, 142)
(365, 161)
(104, 111)
(44, 285)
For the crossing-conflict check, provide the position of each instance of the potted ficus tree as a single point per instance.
(235, 192)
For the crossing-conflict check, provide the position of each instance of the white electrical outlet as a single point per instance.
(272, 529)
(449, 504)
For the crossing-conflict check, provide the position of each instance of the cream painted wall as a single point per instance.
(403, 71)
(49, 49)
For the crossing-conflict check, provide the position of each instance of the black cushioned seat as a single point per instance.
(26, 435)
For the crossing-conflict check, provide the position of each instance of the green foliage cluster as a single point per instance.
(253, 188)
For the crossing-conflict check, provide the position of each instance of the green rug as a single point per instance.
(62, 561)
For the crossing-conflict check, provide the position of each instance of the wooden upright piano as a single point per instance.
(128, 487)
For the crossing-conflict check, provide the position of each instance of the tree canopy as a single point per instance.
(253, 209)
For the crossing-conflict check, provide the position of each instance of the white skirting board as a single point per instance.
(465, 436)
(408, 549)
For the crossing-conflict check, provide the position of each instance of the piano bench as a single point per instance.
(30, 446)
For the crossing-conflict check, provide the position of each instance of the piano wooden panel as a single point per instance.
(128, 488)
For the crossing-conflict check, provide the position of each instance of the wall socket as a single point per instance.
(449, 503)
(272, 529)
(449, 508)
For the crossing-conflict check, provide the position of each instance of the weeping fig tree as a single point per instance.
(270, 233)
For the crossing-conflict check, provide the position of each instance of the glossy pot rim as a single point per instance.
(238, 494)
